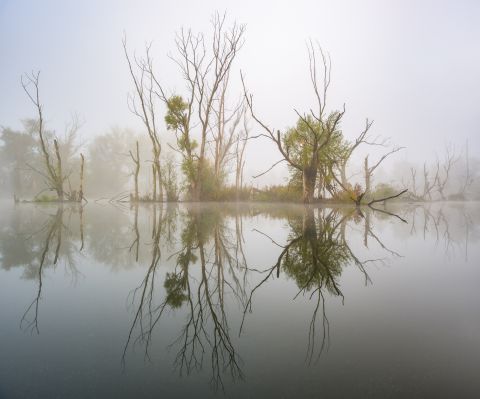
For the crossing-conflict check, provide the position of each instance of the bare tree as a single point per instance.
(320, 125)
(54, 174)
(362, 138)
(143, 105)
(445, 167)
(225, 132)
(368, 170)
(428, 184)
(206, 74)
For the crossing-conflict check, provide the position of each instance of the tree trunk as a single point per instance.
(59, 175)
(309, 179)
(197, 186)
(160, 183)
(154, 178)
(343, 174)
(137, 171)
(80, 191)
(367, 177)
(309, 228)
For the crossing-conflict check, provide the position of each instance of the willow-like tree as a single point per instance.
(297, 139)
(320, 125)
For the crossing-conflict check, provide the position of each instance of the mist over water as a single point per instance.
(239, 199)
(249, 300)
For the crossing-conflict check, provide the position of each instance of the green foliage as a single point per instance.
(176, 116)
(278, 194)
(352, 194)
(46, 198)
(230, 193)
(299, 141)
(208, 182)
(175, 285)
(170, 181)
(383, 190)
(315, 256)
(177, 121)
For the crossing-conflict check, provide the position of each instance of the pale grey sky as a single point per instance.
(412, 66)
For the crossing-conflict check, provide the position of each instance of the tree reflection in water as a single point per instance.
(314, 256)
(212, 240)
(206, 257)
(54, 242)
(205, 241)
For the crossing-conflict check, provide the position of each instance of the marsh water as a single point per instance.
(237, 300)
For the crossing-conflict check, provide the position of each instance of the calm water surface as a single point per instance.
(260, 301)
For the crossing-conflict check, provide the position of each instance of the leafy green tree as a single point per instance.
(312, 139)
(298, 141)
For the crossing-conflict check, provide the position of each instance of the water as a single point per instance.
(239, 301)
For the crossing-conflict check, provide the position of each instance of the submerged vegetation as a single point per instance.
(195, 142)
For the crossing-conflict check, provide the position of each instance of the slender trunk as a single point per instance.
(80, 191)
(197, 187)
(154, 179)
(137, 172)
(367, 177)
(59, 175)
(159, 179)
(343, 174)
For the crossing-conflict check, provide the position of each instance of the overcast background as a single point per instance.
(412, 66)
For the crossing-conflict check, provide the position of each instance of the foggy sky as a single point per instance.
(412, 66)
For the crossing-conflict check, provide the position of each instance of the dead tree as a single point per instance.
(53, 170)
(362, 138)
(205, 73)
(143, 105)
(442, 179)
(225, 132)
(368, 170)
(319, 137)
(428, 185)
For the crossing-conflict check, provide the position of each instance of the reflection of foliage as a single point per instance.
(314, 256)
(175, 285)
(208, 242)
(209, 267)
(34, 239)
(318, 258)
